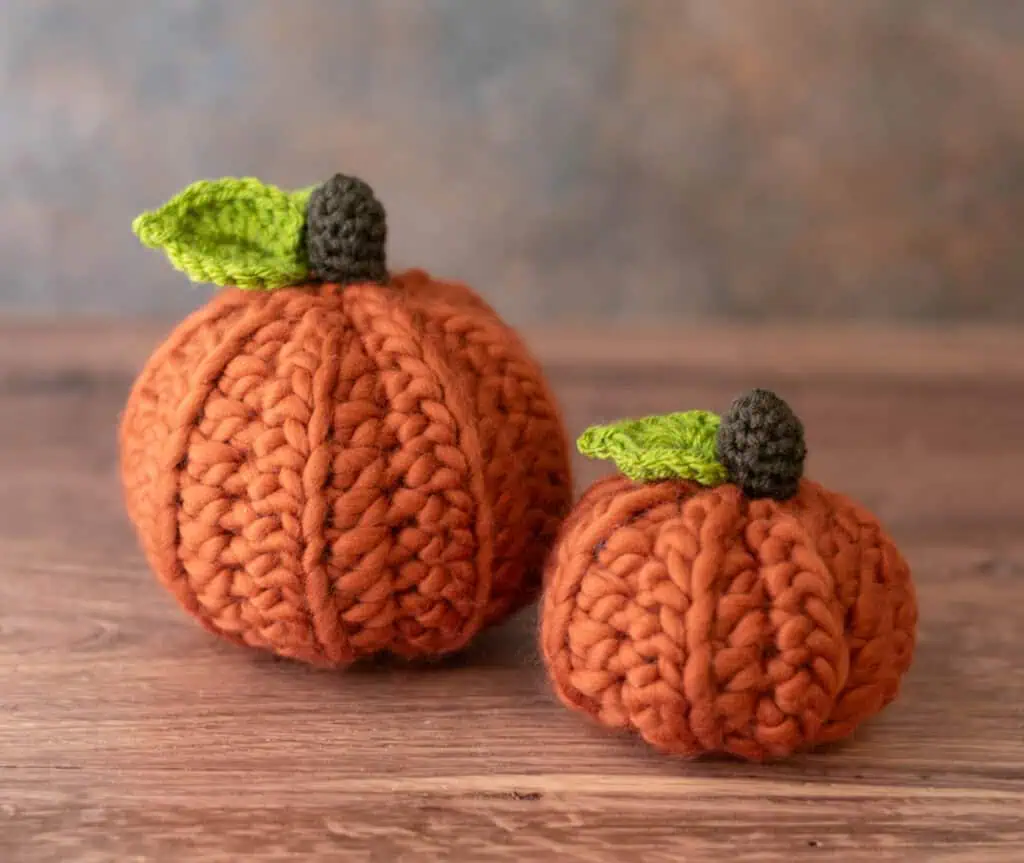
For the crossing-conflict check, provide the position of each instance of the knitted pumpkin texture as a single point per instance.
(329, 461)
(712, 600)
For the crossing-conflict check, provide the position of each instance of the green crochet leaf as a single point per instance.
(232, 231)
(673, 446)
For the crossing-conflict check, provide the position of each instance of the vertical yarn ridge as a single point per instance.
(607, 505)
(328, 639)
(240, 516)
(701, 576)
(879, 605)
(160, 409)
(413, 371)
(521, 432)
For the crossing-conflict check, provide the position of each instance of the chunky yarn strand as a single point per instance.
(525, 449)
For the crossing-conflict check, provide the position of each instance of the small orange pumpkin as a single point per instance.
(327, 461)
(714, 601)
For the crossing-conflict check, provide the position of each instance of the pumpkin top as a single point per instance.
(758, 445)
(246, 233)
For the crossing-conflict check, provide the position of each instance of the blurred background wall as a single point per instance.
(575, 159)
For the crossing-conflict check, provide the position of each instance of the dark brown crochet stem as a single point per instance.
(346, 233)
(761, 444)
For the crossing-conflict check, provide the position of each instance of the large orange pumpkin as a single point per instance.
(714, 601)
(327, 461)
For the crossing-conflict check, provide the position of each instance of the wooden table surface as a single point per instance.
(127, 734)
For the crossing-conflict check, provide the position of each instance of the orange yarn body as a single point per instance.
(331, 473)
(709, 622)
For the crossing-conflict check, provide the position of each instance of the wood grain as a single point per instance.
(127, 734)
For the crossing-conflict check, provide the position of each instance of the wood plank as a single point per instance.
(126, 733)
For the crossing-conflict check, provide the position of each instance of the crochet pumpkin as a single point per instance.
(712, 600)
(328, 461)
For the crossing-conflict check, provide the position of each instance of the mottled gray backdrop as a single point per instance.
(574, 159)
